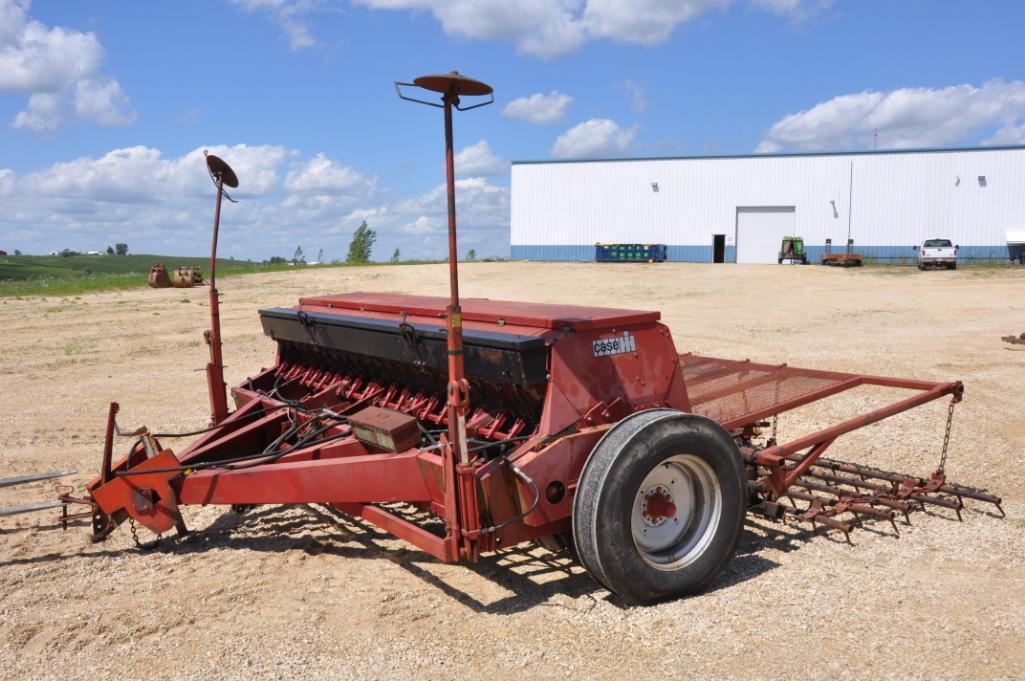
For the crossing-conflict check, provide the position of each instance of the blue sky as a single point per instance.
(106, 106)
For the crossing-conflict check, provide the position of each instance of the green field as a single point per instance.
(22, 275)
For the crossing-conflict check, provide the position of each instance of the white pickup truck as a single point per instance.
(937, 253)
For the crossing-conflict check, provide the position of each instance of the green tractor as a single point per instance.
(792, 251)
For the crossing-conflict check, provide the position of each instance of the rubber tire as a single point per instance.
(609, 481)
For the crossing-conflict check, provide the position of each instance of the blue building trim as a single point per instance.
(690, 253)
(793, 154)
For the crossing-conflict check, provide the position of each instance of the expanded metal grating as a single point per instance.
(736, 393)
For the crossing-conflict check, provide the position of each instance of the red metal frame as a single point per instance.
(584, 396)
(599, 366)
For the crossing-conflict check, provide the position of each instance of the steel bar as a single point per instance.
(35, 477)
(946, 488)
(806, 461)
(900, 506)
(771, 455)
(30, 508)
(922, 498)
(108, 442)
(215, 368)
(854, 506)
(359, 479)
(401, 528)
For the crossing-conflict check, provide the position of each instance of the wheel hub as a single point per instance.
(658, 506)
(676, 512)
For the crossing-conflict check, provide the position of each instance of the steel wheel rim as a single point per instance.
(691, 486)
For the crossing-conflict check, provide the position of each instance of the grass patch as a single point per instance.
(34, 275)
(31, 279)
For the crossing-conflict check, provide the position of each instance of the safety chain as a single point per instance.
(135, 536)
(775, 424)
(946, 435)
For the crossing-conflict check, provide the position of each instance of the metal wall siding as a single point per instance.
(898, 200)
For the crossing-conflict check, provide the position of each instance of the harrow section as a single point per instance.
(793, 480)
(841, 495)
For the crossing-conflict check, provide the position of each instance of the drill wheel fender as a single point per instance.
(660, 505)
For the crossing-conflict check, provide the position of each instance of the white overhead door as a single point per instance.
(760, 232)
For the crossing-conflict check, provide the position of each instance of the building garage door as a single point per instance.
(760, 231)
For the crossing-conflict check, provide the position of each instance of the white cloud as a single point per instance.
(422, 225)
(638, 97)
(290, 16)
(321, 175)
(163, 204)
(7, 177)
(1008, 134)
(797, 9)
(101, 100)
(594, 138)
(906, 117)
(141, 175)
(477, 160)
(550, 28)
(35, 58)
(544, 28)
(45, 112)
(417, 224)
(539, 108)
(59, 68)
(646, 22)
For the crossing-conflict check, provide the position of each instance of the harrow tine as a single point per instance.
(945, 487)
(816, 517)
(856, 507)
(881, 490)
(898, 506)
(832, 488)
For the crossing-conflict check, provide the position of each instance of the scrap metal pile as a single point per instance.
(501, 422)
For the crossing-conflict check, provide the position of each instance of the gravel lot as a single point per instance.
(301, 592)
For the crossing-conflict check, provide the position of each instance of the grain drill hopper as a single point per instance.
(468, 426)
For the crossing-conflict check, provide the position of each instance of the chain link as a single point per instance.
(775, 424)
(135, 536)
(946, 436)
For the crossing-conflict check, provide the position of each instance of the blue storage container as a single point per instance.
(630, 252)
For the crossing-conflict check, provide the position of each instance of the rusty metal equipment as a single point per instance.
(187, 277)
(387, 429)
(158, 277)
(222, 176)
(574, 426)
(848, 258)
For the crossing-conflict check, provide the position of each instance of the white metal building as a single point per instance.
(738, 208)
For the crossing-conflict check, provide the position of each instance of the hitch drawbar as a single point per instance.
(62, 502)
